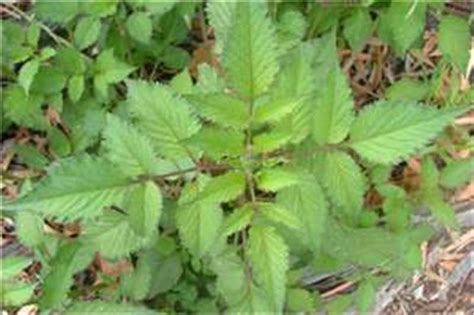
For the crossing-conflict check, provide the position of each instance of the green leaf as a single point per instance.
(387, 132)
(269, 256)
(358, 28)
(69, 259)
(12, 266)
(237, 220)
(220, 15)
(222, 109)
(343, 179)
(250, 54)
(86, 32)
(455, 40)
(396, 208)
(365, 296)
(48, 81)
(299, 300)
(100, 307)
(33, 34)
(136, 284)
(115, 226)
(29, 154)
(217, 143)
(198, 225)
(27, 74)
(407, 90)
(167, 122)
(25, 110)
(223, 188)
(271, 140)
(56, 12)
(291, 29)
(128, 148)
(457, 173)
(279, 214)
(108, 70)
(275, 110)
(182, 82)
(402, 24)
(58, 142)
(432, 195)
(307, 202)
(76, 189)
(166, 272)
(75, 87)
(276, 179)
(70, 61)
(333, 114)
(29, 229)
(140, 27)
(144, 208)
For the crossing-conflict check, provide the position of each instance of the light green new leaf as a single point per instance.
(217, 142)
(276, 179)
(100, 307)
(432, 196)
(163, 116)
(87, 32)
(222, 109)
(272, 140)
(198, 225)
(29, 228)
(77, 188)
(223, 188)
(407, 90)
(333, 114)
(300, 300)
(455, 40)
(457, 173)
(128, 148)
(75, 87)
(27, 74)
(280, 214)
(343, 179)
(269, 256)
(358, 28)
(144, 208)
(115, 226)
(140, 27)
(237, 220)
(275, 110)
(12, 266)
(250, 53)
(307, 202)
(387, 132)
(16, 294)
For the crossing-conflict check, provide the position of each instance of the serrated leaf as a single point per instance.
(299, 300)
(12, 266)
(25, 110)
(166, 272)
(457, 173)
(16, 294)
(396, 208)
(70, 61)
(271, 140)
(250, 54)
(76, 188)
(115, 226)
(269, 256)
(387, 132)
(198, 225)
(86, 32)
(163, 116)
(75, 87)
(358, 28)
(48, 81)
(217, 142)
(453, 29)
(307, 201)
(237, 220)
(432, 195)
(274, 110)
(68, 260)
(29, 228)
(280, 214)
(136, 284)
(407, 90)
(108, 70)
(220, 18)
(222, 109)
(128, 148)
(101, 307)
(223, 188)
(333, 114)
(144, 208)
(344, 182)
(140, 27)
(27, 74)
(276, 179)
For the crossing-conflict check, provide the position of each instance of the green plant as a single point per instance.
(223, 193)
